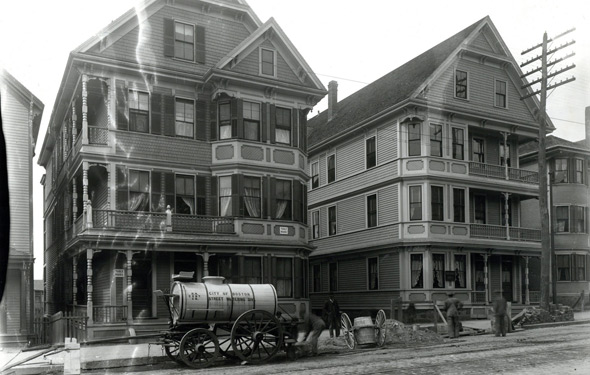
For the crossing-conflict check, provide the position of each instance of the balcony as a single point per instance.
(498, 232)
(455, 231)
(502, 173)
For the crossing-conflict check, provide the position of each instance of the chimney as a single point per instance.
(333, 100)
(588, 127)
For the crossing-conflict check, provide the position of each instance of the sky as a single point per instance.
(353, 43)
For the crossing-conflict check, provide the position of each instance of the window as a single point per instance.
(479, 209)
(435, 140)
(563, 267)
(500, 94)
(438, 270)
(459, 205)
(578, 219)
(373, 273)
(283, 126)
(372, 211)
(331, 168)
(561, 173)
(579, 261)
(184, 41)
(225, 206)
(332, 220)
(333, 275)
(505, 154)
(436, 203)
(562, 219)
(284, 277)
(371, 155)
(185, 110)
(415, 203)
(460, 274)
(252, 271)
(458, 143)
(224, 120)
(139, 189)
(251, 112)
(579, 176)
(417, 270)
(460, 84)
(283, 199)
(315, 175)
(315, 224)
(267, 62)
(317, 277)
(139, 111)
(185, 195)
(478, 150)
(251, 196)
(414, 140)
(226, 267)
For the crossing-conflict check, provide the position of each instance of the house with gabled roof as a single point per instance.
(416, 187)
(177, 142)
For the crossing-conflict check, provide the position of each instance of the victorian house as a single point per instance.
(416, 187)
(569, 199)
(21, 116)
(177, 142)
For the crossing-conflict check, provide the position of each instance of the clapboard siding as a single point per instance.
(101, 282)
(349, 213)
(382, 235)
(388, 205)
(482, 43)
(323, 169)
(350, 158)
(389, 272)
(495, 272)
(355, 301)
(494, 214)
(323, 222)
(352, 274)
(387, 143)
(492, 151)
(11, 301)
(163, 280)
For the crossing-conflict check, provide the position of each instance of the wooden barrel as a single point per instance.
(364, 330)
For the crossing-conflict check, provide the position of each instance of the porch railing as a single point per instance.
(499, 172)
(204, 224)
(478, 297)
(499, 232)
(523, 175)
(79, 223)
(534, 296)
(109, 313)
(54, 329)
(98, 135)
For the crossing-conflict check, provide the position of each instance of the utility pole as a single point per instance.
(546, 244)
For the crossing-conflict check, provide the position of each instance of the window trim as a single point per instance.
(328, 169)
(466, 265)
(466, 84)
(260, 260)
(369, 273)
(230, 196)
(460, 205)
(440, 142)
(149, 192)
(283, 127)
(481, 155)
(420, 276)
(226, 122)
(461, 144)
(315, 224)
(372, 213)
(371, 157)
(274, 62)
(442, 281)
(335, 232)
(176, 195)
(502, 148)
(411, 141)
(566, 220)
(193, 102)
(290, 200)
(250, 120)
(485, 208)
(441, 203)
(497, 94)
(330, 289)
(292, 278)
(410, 202)
(260, 197)
(315, 178)
(194, 43)
(316, 286)
(568, 268)
(576, 171)
(566, 171)
(139, 111)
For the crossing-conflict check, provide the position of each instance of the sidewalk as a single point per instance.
(122, 355)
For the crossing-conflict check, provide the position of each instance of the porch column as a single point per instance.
(506, 214)
(84, 109)
(74, 118)
(527, 299)
(74, 200)
(89, 306)
(129, 288)
(205, 256)
(84, 184)
(506, 155)
(485, 277)
(75, 280)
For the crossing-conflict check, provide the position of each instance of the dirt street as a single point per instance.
(558, 350)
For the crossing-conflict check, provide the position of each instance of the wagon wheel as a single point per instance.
(256, 336)
(228, 352)
(347, 330)
(171, 347)
(380, 330)
(199, 348)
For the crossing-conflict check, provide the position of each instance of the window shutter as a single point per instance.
(295, 129)
(266, 269)
(240, 118)
(273, 271)
(236, 106)
(201, 120)
(213, 120)
(571, 170)
(201, 195)
(169, 119)
(303, 130)
(265, 197)
(213, 203)
(273, 122)
(122, 189)
(298, 278)
(272, 197)
(122, 113)
(237, 195)
(156, 104)
(297, 203)
(168, 37)
(158, 198)
(264, 121)
(169, 190)
(200, 44)
(304, 198)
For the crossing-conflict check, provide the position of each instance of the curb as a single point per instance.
(122, 362)
(555, 324)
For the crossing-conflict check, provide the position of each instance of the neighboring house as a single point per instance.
(415, 185)
(39, 295)
(176, 143)
(568, 165)
(21, 116)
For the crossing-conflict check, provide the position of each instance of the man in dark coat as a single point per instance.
(500, 306)
(452, 306)
(313, 325)
(331, 315)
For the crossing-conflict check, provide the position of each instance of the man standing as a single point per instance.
(315, 325)
(452, 306)
(331, 315)
(500, 306)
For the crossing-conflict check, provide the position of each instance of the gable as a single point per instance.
(482, 43)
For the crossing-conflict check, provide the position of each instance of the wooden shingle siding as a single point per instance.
(389, 271)
(388, 205)
(350, 158)
(349, 214)
(387, 143)
(352, 274)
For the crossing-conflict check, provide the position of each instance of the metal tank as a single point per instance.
(214, 301)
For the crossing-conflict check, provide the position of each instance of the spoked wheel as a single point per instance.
(226, 350)
(347, 330)
(256, 336)
(380, 330)
(199, 348)
(171, 347)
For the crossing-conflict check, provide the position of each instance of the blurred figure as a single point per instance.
(452, 306)
(313, 325)
(500, 306)
(331, 315)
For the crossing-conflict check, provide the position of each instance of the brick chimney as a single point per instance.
(333, 100)
(588, 127)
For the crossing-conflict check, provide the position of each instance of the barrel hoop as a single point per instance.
(207, 299)
(181, 297)
(231, 298)
(253, 297)
(274, 291)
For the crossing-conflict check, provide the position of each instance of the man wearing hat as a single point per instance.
(452, 306)
(500, 306)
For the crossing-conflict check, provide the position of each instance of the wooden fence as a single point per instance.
(55, 328)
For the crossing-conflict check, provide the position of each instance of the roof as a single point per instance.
(391, 89)
(552, 142)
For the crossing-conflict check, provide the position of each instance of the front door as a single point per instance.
(507, 279)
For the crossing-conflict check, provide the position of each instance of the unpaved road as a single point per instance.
(558, 350)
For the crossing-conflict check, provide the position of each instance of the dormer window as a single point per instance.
(184, 41)
(267, 62)
(500, 94)
(461, 84)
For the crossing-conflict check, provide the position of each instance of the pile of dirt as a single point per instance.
(535, 315)
(400, 334)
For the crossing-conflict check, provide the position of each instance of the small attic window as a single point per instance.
(267, 62)
(461, 84)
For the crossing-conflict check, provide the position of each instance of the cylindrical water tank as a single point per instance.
(213, 301)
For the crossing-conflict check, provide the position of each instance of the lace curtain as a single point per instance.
(225, 202)
(252, 201)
